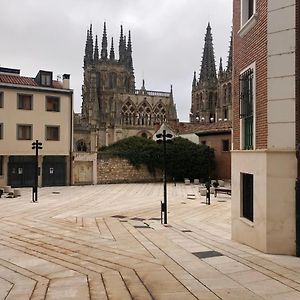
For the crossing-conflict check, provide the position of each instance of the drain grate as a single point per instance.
(155, 219)
(119, 216)
(186, 230)
(207, 254)
(222, 201)
(141, 226)
(123, 221)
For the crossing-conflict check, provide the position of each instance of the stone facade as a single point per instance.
(112, 108)
(119, 170)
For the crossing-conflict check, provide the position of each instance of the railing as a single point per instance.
(152, 93)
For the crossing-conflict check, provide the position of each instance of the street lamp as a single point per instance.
(164, 138)
(36, 145)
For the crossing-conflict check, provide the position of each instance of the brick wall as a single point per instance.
(247, 50)
(118, 170)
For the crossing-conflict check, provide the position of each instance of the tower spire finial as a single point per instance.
(220, 67)
(104, 43)
(121, 46)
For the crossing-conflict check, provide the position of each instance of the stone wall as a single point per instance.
(118, 170)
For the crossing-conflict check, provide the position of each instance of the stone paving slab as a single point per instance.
(107, 242)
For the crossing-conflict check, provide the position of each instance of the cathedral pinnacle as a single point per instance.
(88, 57)
(208, 66)
(104, 43)
(122, 46)
(220, 68)
(229, 61)
(112, 51)
(96, 51)
(194, 80)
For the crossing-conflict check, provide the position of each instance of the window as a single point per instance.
(246, 108)
(1, 164)
(52, 103)
(25, 101)
(1, 131)
(1, 99)
(225, 145)
(24, 132)
(247, 11)
(46, 79)
(52, 133)
(247, 196)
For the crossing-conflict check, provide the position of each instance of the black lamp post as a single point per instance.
(164, 138)
(36, 145)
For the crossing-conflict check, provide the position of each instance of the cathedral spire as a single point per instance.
(229, 61)
(208, 66)
(104, 43)
(88, 57)
(122, 46)
(194, 84)
(220, 68)
(96, 51)
(129, 52)
(112, 51)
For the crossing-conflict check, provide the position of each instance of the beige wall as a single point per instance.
(273, 227)
(10, 116)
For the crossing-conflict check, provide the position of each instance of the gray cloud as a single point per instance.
(167, 36)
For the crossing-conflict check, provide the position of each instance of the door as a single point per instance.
(21, 171)
(54, 171)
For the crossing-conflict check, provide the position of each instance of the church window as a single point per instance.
(81, 146)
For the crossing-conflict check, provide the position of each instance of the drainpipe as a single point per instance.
(297, 118)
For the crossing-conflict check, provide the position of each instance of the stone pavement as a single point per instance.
(106, 242)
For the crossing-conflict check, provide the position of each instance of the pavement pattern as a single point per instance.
(107, 242)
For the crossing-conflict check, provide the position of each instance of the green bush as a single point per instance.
(185, 159)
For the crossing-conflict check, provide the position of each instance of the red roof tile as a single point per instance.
(21, 80)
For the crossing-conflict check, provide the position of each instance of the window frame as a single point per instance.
(246, 21)
(245, 120)
(47, 98)
(1, 165)
(31, 130)
(1, 131)
(247, 208)
(46, 133)
(1, 99)
(19, 106)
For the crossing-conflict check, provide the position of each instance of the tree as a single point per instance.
(184, 158)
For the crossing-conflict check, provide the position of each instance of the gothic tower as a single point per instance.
(105, 77)
(204, 90)
(211, 94)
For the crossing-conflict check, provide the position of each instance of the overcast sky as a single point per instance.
(167, 38)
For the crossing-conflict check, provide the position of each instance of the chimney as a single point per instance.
(66, 81)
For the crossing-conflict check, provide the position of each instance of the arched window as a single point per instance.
(81, 146)
(144, 113)
(128, 113)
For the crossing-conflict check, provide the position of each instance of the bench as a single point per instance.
(223, 191)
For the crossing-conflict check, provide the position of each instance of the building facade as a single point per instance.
(211, 92)
(264, 166)
(112, 107)
(32, 109)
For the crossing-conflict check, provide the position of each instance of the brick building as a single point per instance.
(264, 166)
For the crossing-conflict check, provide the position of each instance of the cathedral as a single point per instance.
(112, 107)
(211, 92)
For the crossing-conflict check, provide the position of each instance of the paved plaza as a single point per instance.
(106, 242)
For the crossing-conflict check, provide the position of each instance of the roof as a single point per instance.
(204, 128)
(22, 80)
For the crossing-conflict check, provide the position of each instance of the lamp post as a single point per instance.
(164, 138)
(36, 145)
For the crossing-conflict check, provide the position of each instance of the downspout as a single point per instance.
(297, 120)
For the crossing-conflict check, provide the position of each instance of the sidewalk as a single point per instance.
(106, 242)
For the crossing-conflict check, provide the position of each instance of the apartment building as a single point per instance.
(264, 165)
(37, 108)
